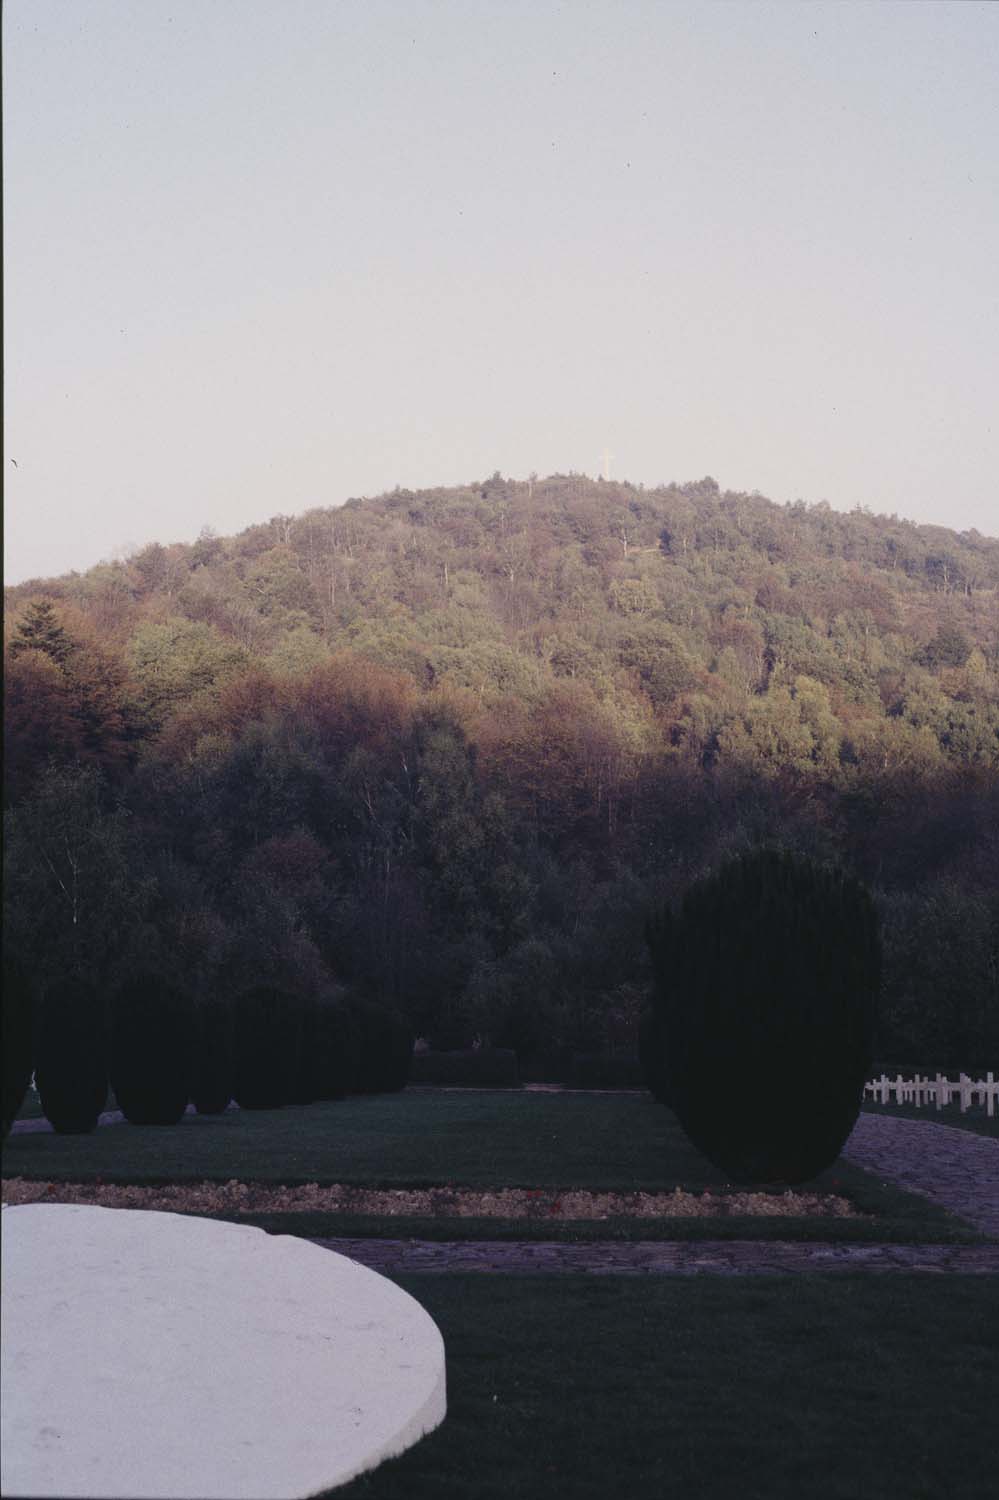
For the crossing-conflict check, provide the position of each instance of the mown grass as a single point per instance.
(606, 1141)
(798, 1388)
(563, 1141)
(761, 1388)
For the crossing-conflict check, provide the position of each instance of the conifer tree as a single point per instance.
(71, 1056)
(150, 1050)
(40, 630)
(18, 1004)
(212, 1056)
(766, 989)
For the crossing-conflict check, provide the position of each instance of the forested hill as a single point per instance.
(499, 719)
(690, 610)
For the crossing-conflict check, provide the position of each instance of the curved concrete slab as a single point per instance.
(165, 1357)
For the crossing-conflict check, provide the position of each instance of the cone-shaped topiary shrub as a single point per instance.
(767, 982)
(267, 1048)
(652, 1055)
(369, 1020)
(212, 1055)
(71, 1056)
(386, 1049)
(150, 1050)
(303, 1083)
(399, 1058)
(17, 1000)
(336, 1056)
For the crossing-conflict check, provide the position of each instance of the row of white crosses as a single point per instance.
(922, 1090)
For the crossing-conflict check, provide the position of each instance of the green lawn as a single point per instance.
(801, 1388)
(761, 1388)
(622, 1141)
(617, 1141)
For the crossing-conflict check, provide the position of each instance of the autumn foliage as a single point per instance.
(440, 752)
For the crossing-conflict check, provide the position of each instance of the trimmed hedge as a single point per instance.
(267, 1048)
(213, 1056)
(482, 1068)
(386, 1050)
(18, 1007)
(652, 1056)
(603, 1070)
(304, 1025)
(766, 984)
(150, 1050)
(337, 1053)
(71, 1072)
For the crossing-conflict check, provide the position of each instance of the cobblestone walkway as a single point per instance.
(955, 1168)
(655, 1258)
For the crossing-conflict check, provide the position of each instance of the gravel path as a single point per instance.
(955, 1168)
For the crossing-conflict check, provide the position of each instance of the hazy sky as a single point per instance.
(267, 254)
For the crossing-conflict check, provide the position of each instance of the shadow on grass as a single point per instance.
(796, 1389)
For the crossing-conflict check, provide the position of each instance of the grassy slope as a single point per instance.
(763, 1390)
(617, 1141)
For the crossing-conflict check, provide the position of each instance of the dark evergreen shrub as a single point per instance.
(606, 1070)
(71, 1072)
(767, 984)
(17, 1021)
(482, 1067)
(398, 1060)
(370, 1021)
(336, 1055)
(150, 1050)
(652, 1055)
(553, 1065)
(304, 1022)
(213, 1062)
(266, 1046)
(386, 1049)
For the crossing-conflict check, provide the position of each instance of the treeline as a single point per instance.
(443, 751)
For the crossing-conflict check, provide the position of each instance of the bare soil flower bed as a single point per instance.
(435, 1202)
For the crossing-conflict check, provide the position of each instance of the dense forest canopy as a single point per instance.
(445, 748)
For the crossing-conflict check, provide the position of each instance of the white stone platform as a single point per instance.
(164, 1357)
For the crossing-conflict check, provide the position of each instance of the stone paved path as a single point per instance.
(955, 1168)
(657, 1258)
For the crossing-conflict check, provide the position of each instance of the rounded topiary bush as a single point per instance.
(305, 1026)
(336, 1055)
(266, 1047)
(767, 982)
(150, 1050)
(71, 1072)
(212, 1056)
(398, 1060)
(652, 1055)
(480, 1067)
(18, 1010)
(386, 1049)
